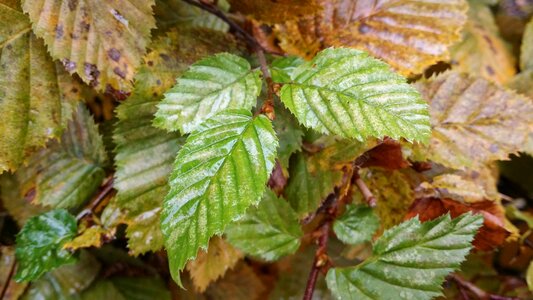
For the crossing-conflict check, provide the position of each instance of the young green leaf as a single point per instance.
(213, 84)
(356, 225)
(474, 121)
(289, 134)
(410, 261)
(102, 42)
(282, 68)
(346, 92)
(310, 181)
(40, 244)
(269, 231)
(220, 171)
(37, 96)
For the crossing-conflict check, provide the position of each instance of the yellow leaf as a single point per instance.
(482, 51)
(409, 35)
(90, 237)
(211, 264)
(474, 121)
(102, 41)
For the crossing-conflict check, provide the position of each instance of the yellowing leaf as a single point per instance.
(455, 187)
(37, 96)
(90, 237)
(482, 51)
(101, 41)
(393, 193)
(474, 121)
(275, 11)
(409, 35)
(210, 265)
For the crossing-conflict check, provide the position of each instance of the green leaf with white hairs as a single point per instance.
(409, 261)
(213, 84)
(356, 225)
(220, 171)
(346, 92)
(269, 231)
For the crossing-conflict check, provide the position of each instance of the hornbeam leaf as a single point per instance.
(40, 244)
(410, 35)
(67, 172)
(215, 83)
(410, 261)
(101, 41)
(220, 171)
(269, 231)
(474, 121)
(346, 92)
(356, 225)
(144, 154)
(37, 96)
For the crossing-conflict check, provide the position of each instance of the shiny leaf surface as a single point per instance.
(211, 85)
(346, 92)
(40, 244)
(220, 171)
(410, 261)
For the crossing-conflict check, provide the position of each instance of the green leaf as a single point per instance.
(283, 68)
(37, 95)
(346, 92)
(101, 42)
(144, 154)
(310, 181)
(220, 171)
(410, 261)
(67, 172)
(128, 288)
(269, 231)
(356, 225)
(66, 282)
(213, 84)
(289, 134)
(40, 244)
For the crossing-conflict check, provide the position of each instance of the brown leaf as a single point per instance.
(387, 155)
(491, 235)
(410, 35)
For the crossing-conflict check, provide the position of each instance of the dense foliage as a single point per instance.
(239, 149)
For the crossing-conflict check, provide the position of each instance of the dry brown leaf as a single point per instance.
(209, 266)
(409, 35)
(474, 121)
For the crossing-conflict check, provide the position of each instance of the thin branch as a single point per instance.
(8, 279)
(320, 261)
(107, 187)
(268, 106)
(367, 194)
(467, 286)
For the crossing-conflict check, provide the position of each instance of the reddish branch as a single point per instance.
(466, 287)
(321, 260)
(367, 194)
(8, 279)
(106, 188)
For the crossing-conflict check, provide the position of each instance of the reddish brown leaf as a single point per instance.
(491, 235)
(387, 155)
